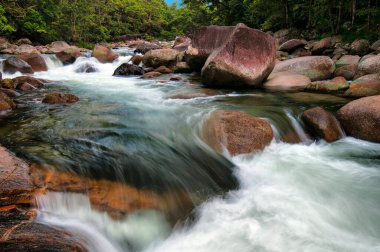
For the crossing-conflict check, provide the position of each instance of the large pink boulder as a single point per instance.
(245, 59)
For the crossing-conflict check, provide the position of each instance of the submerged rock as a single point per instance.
(56, 98)
(104, 54)
(286, 81)
(163, 70)
(246, 59)
(363, 87)
(128, 69)
(322, 124)
(151, 75)
(238, 132)
(361, 118)
(315, 67)
(6, 102)
(14, 64)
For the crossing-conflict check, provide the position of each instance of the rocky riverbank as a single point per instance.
(224, 57)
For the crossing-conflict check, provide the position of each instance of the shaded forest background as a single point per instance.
(84, 22)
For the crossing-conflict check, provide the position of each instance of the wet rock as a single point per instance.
(246, 59)
(29, 236)
(86, 67)
(128, 69)
(322, 124)
(37, 83)
(360, 46)
(160, 57)
(348, 71)
(286, 81)
(315, 67)
(104, 54)
(238, 132)
(291, 45)
(6, 103)
(151, 75)
(137, 59)
(57, 98)
(25, 41)
(363, 87)
(361, 118)
(7, 83)
(25, 86)
(146, 47)
(175, 78)
(14, 64)
(182, 67)
(10, 93)
(68, 55)
(36, 61)
(338, 84)
(26, 49)
(15, 187)
(163, 70)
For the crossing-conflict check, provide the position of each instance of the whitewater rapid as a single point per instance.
(311, 196)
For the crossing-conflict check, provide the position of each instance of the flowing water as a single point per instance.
(308, 196)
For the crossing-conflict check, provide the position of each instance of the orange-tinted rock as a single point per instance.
(104, 54)
(137, 59)
(36, 61)
(246, 59)
(15, 187)
(37, 83)
(160, 57)
(361, 118)
(151, 75)
(163, 70)
(26, 49)
(347, 71)
(6, 102)
(363, 87)
(238, 132)
(56, 98)
(336, 85)
(322, 124)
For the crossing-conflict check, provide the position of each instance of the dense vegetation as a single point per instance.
(85, 21)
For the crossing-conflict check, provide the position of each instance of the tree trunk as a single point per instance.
(309, 14)
(353, 12)
(339, 17)
(369, 16)
(286, 5)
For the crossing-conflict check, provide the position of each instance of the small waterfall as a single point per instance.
(101, 233)
(52, 61)
(298, 128)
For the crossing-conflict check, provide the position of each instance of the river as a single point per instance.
(310, 196)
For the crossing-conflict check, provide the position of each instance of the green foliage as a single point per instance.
(5, 27)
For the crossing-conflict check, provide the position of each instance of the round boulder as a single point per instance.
(128, 69)
(286, 81)
(361, 118)
(14, 64)
(36, 61)
(57, 98)
(104, 54)
(68, 55)
(315, 67)
(291, 45)
(322, 124)
(238, 132)
(160, 57)
(360, 46)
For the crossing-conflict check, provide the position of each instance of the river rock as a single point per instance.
(163, 70)
(246, 59)
(36, 83)
(301, 52)
(322, 124)
(58, 46)
(347, 60)
(375, 46)
(146, 47)
(338, 84)
(371, 65)
(36, 61)
(160, 57)
(7, 83)
(137, 59)
(291, 45)
(26, 49)
(323, 45)
(128, 69)
(361, 118)
(68, 55)
(10, 92)
(284, 35)
(315, 67)
(151, 75)
(238, 132)
(15, 187)
(14, 64)
(363, 87)
(6, 103)
(203, 42)
(182, 67)
(286, 81)
(57, 98)
(360, 46)
(104, 54)
(24, 41)
(347, 71)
